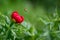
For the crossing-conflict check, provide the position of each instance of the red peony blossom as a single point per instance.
(17, 18)
(14, 14)
(22, 18)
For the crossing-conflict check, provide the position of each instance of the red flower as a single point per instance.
(17, 17)
(22, 18)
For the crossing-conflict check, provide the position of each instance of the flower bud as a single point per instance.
(17, 18)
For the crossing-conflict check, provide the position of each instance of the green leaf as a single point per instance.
(27, 25)
(7, 20)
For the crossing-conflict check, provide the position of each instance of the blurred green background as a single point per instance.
(35, 8)
(44, 15)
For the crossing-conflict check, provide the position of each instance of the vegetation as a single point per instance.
(41, 20)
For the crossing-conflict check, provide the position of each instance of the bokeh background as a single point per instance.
(43, 15)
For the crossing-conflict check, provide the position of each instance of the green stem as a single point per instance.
(8, 33)
(32, 37)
